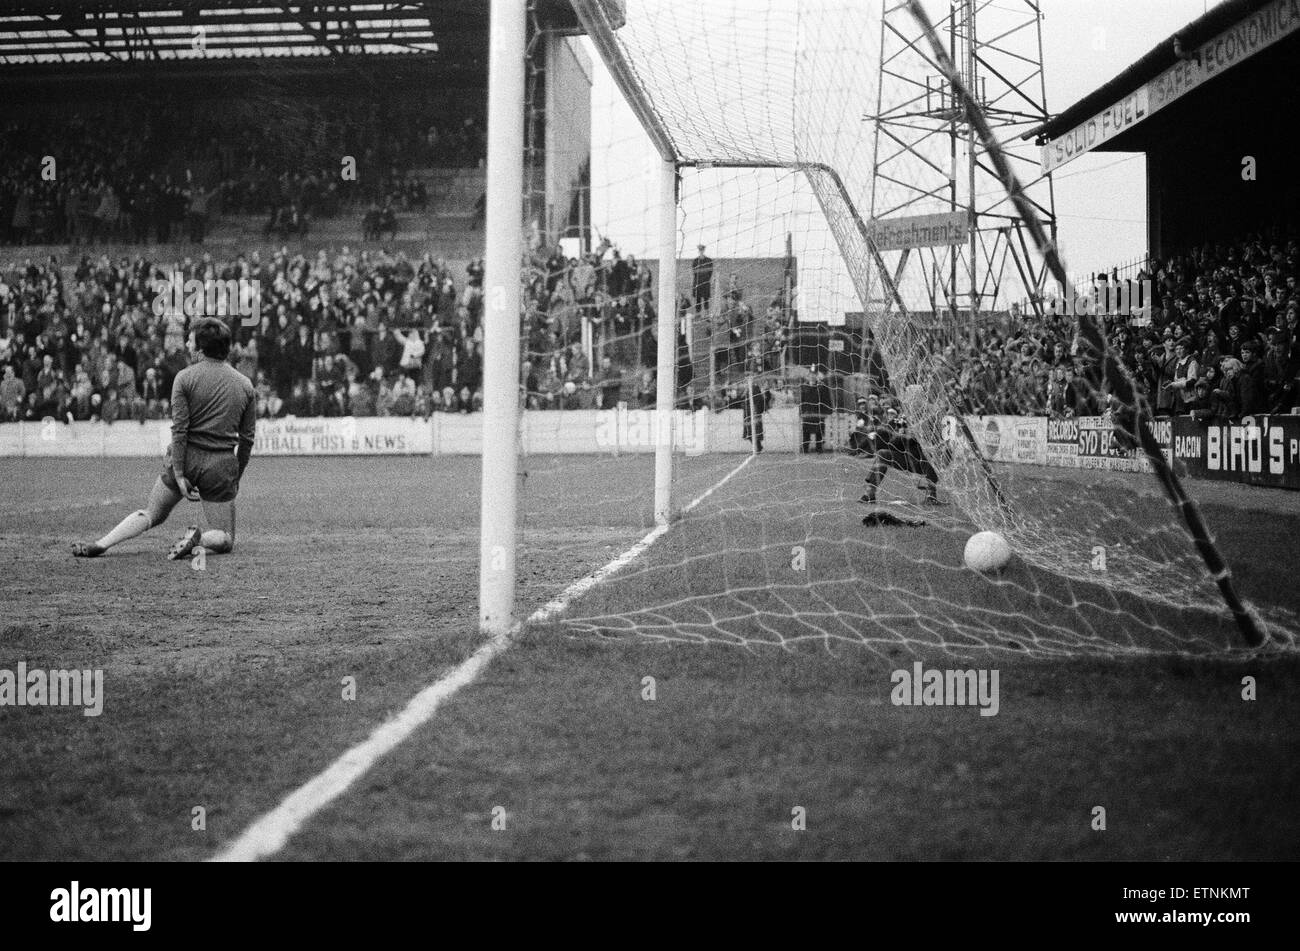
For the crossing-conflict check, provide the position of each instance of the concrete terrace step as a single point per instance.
(447, 237)
(12, 258)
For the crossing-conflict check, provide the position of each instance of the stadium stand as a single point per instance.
(339, 333)
(1219, 339)
(360, 332)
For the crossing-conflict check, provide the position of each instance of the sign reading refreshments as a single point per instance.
(1257, 31)
(920, 231)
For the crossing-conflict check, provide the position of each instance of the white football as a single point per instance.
(986, 551)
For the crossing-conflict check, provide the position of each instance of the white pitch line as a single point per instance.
(267, 835)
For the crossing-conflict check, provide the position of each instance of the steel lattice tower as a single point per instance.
(928, 160)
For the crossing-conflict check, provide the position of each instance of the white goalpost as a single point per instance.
(498, 518)
(666, 353)
(501, 316)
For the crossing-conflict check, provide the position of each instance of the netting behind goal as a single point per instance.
(788, 317)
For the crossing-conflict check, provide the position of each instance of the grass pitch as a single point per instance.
(224, 687)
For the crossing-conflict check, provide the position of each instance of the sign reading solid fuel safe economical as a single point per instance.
(1257, 31)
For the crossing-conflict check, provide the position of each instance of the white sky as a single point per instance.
(1100, 198)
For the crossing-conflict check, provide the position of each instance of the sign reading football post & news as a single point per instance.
(337, 436)
(342, 436)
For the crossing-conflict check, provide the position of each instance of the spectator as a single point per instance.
(701, 281)
(1199, 404)
(1185, 373)
(1252, 383)
(609, 384)
(13, 395)
(1226, 398)
(814, 406)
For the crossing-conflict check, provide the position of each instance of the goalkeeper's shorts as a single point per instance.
(214, 474)
(905, 454)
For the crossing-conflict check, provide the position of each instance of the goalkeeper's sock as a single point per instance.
(137, 523)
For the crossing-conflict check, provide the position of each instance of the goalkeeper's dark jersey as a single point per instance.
(214, 408)
(891, 444)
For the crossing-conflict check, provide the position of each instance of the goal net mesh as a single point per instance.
(784, 307)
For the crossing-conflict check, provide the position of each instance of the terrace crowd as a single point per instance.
(372, 333)
(347, 333)
(1221, 339)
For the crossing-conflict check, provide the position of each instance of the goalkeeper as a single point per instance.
(214, 417)
(886, 443)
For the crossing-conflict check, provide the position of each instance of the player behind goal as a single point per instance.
(214, 414)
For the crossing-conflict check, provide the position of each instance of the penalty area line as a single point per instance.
(268, 834)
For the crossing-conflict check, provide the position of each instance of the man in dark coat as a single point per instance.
(814, 406)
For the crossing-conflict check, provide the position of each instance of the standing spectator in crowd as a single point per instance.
(299, 355)
(412, 358)
(156, 401)
(1162, 363)
(569, 397)
(814, 407)
(609, 384)
(196, 215)
(1060, 393)
(1198, 404)
(646, 390)
(386, 352)
(469, 373)
(754, 402)
(1226, 398)
(12, 395)
(701, 281)
(685, 372)
(246, 359)
(82, 395)
(774, 331)
(576, 368)
(1282, 366)
(1185, 373)
(111, 409)
(1252, 384)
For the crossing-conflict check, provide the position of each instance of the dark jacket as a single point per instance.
(815, 400)
(1252, 388)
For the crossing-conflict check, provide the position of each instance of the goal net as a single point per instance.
(790, 317)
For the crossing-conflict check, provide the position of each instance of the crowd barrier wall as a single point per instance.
(1261, 450)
